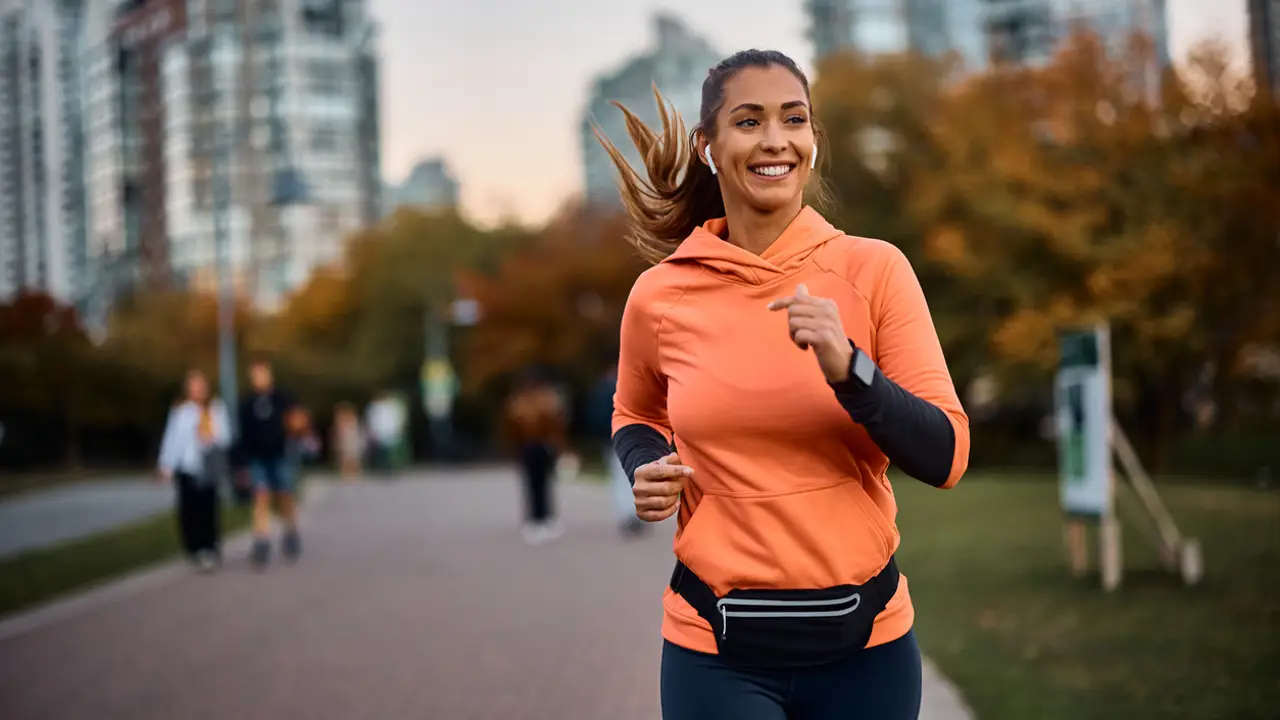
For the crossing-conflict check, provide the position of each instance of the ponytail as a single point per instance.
(680, 192)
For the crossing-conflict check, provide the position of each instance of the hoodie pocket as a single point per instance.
(820, 538)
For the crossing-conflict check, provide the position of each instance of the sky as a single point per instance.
(498, 87)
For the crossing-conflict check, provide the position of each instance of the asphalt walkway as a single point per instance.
(414, 599)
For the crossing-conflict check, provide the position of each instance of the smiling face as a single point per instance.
(763, 140)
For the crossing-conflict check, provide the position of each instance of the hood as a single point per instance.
(704, 246)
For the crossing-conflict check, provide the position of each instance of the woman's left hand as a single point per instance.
(814, 322)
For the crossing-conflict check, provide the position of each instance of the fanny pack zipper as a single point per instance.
(725, 613)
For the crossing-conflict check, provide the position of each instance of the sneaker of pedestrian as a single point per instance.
(552, 530)
(532, 534)
(292, 546)
(260, 554)
(207, 561)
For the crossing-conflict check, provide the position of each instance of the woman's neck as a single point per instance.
(755, 231)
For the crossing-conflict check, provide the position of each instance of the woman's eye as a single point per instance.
(743, 123)
(798, 119)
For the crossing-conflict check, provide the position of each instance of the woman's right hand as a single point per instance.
(657, 488)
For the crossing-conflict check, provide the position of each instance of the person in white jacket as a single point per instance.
(193, 456)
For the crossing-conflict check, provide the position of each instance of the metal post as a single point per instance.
(226, 297)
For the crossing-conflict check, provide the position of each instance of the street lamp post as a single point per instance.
(226, 296)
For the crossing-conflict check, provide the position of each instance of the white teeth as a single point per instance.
(772, 170)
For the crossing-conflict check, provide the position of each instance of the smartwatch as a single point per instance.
(862, 369)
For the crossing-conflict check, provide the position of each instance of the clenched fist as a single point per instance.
(814, 322)
(657, 488)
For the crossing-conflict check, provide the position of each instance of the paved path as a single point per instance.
(414, 599)
(66, 512)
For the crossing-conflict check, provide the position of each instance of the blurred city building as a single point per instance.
(42, 227)
(981, 32)
(430, 186)
(874, 27)
(677, 64)
(1028, 31)
(278, 98)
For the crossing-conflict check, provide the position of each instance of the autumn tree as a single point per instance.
(556, 302)
(358, 326)
(879, 114)
(1094, 189)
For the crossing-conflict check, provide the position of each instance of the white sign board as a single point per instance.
(1083, 414)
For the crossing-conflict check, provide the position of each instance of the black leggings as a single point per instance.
(882, 682)
(539, 462)
(198, 515)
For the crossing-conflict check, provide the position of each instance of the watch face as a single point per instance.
(863, 368)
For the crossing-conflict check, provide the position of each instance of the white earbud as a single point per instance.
(813, 158)
(711, 163)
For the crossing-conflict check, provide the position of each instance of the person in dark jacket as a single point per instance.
(534, 429)
(270, 424)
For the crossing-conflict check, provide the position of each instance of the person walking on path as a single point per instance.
(534, 426)
(347, 440)
(385, 424)
(193, 450)
(267, 448)
(771, 368)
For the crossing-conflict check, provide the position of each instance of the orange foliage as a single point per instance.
(557, 302)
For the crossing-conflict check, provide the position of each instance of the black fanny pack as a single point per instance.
(789, 628)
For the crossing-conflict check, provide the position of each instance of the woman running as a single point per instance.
(771, 369)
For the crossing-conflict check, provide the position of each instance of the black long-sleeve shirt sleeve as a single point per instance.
(916, 435)
(638, 445)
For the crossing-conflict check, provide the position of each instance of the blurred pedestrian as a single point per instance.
(193, 458)
(385, 422)
(270, 427)
(302, 444)
(600, 426)
(771, 368)
(534, 427)
(348, 440)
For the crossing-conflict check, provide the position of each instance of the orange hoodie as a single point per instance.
(788, 491)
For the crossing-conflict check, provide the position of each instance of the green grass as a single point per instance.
(999, 612)
(44, 574)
